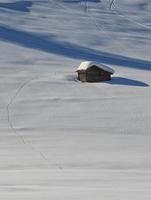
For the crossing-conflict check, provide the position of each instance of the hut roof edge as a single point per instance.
(87, 64)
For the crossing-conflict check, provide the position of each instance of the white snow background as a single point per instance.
(61, 139)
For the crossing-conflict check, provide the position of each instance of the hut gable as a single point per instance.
(93, 72)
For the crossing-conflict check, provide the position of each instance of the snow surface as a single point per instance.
(62, 139)
(87, 64)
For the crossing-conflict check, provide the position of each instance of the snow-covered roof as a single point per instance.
(87, 64)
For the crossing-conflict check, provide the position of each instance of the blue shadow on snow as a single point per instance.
(77, 1)
(18, 5)
(54, 46)
(127, 82)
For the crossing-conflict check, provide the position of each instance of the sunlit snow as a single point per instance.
(61, 139)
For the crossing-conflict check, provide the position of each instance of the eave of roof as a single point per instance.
(87, 64)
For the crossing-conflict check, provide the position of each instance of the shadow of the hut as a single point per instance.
(127, 82)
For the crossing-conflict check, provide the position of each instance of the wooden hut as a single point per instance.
(94, 72)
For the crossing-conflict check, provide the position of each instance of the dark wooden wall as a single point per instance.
(93, 74)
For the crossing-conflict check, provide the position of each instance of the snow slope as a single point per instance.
(62, 139)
